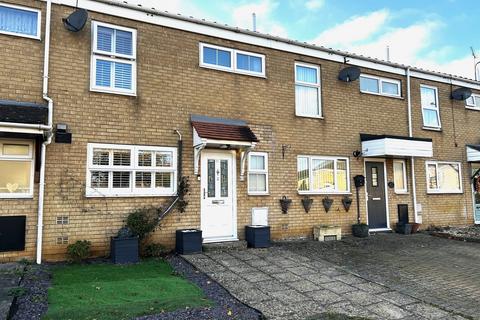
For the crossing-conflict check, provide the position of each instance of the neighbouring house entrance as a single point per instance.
(376, 195)
(476, 191)
(218, 196)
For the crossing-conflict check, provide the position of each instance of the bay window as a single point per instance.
(125, 170)
(316, 174)
(16, 169)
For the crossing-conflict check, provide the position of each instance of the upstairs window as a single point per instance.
(125, 170)
(380, 86)
(19, 21)
(444, 177)
(473, 102)
(307, 90)
(430, 108)
(113, 59)
(232, 60)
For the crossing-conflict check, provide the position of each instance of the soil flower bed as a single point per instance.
(469, 233)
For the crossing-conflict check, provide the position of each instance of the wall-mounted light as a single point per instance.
(357, 153)
(61, 133)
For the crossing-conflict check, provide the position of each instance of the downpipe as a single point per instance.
(410, 134)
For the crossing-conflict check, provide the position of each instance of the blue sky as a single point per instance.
(436, 35)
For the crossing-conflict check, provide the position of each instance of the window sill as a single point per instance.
(100, 195)
(472, 108)
(309, 117)
(131, 94)
(402, 192)
(258, 194)
(8, 196)
(20, 35)
(382, 95)
(231, 70)
(323, 193)
(432, 129)
(444, 192)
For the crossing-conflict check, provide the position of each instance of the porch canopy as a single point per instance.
(22, 113)
(395, 146)
(220, 133)
(473, 152)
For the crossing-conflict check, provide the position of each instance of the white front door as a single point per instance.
(218, 196)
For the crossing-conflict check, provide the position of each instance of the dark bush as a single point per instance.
(142, 222)
(78, 251)
(154, 250)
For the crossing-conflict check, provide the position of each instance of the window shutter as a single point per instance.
(123, 42)
(103, 73)
(104, 39)
(123, 75)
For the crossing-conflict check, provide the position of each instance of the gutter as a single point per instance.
(48, 132)
(410, 134)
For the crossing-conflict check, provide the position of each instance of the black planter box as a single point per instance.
(124, 250)
(257, 236)
(188, 241)
(404, 228)
(360, 230)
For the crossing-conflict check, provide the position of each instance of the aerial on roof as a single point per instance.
(248, 36)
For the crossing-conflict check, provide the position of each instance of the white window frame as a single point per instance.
(30, 157)
(97, 54)
(233, 60)
(439, 191)
(310, 175)
(39, 21)
(476, 106)
(404, 177)
(437, 108)
(317, 85)
(257, 171)
(380, 80)
(132, 191)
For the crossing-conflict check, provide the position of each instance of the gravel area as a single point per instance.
(32, 304)
(470, 233)
(226, 306)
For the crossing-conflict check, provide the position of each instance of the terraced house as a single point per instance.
(91, 119)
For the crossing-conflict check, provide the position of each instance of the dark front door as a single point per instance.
(376, 202)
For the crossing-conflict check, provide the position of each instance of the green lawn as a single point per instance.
(106, 291)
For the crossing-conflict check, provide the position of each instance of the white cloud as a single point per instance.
(242, 17)
(353, 30)
(314, 4)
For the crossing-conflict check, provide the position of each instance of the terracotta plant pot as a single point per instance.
(415, 227)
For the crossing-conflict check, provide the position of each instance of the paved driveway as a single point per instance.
(387, 276)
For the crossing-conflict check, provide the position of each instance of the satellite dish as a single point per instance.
(349, 74)
(461, 94)
(76, 21)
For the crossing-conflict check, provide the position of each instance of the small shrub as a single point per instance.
(154, 250)
(78, 251)
(17, 292)
(142, 221)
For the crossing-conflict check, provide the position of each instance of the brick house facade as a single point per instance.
(173, 85)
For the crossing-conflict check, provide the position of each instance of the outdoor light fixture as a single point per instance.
(61, 133)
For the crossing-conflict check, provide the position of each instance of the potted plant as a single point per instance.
(307, 203)
(360, 230)
(415, 227)
(285, 204)
(327, 203)
(188, 241)
(124, 247)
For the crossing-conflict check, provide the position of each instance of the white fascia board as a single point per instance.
(257, 40)
(473, 155)
(397, 148)
(21, 130)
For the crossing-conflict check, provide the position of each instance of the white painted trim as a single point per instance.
(397, 148)
(476, 100)
(96, 24)
(439, 191)
(264, 172)
(380, 81)
(404, 171)
(472, 169)
(29, 158)
(385, 178)
(243, 36)
(317, 86)
(380, 229)
(39, 21)
(233, 60)
(436, 109)
(310, 175)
